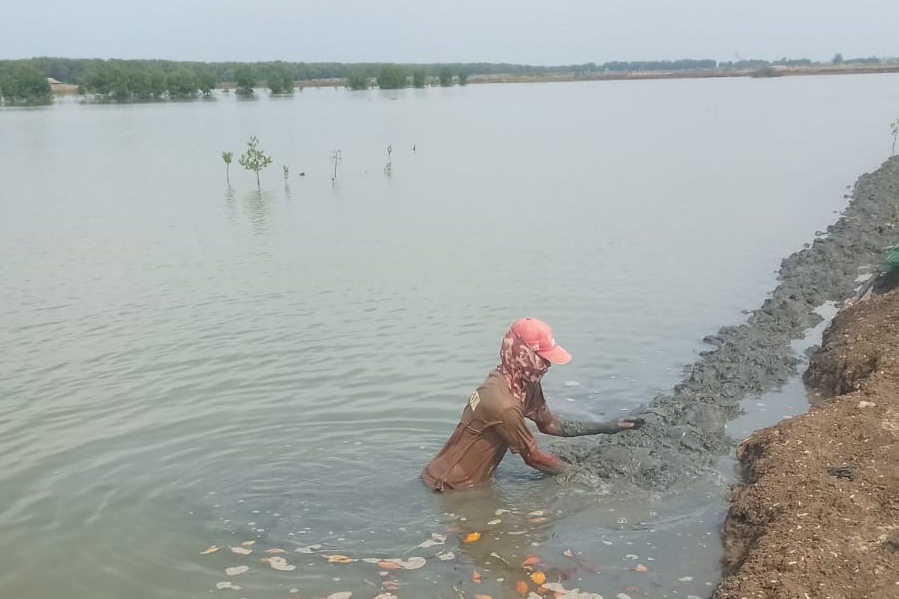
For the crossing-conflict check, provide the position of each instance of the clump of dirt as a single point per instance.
(818, 515)
(685, 429)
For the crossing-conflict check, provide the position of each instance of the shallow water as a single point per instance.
(187, 365)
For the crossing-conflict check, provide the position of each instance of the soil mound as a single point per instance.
(818, 516)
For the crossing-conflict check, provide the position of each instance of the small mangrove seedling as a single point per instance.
(336, 156)
(388, 168)
(227, 156)
(285, 171)
(894, 129)
(254, 159)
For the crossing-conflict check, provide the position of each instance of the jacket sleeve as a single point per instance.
(516, 434)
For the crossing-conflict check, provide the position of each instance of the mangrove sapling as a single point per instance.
(894, 129)
(254, 159)
(388, 168)
(285, 171)
(336, 156)
(227, 156)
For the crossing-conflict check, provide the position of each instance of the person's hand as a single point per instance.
(631, 423)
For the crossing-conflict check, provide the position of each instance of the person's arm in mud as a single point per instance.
(519, 439)
(565, 427)
(544, 462)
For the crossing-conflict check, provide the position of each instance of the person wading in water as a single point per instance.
(493, 420)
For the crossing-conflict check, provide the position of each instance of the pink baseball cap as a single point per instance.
(537, 335)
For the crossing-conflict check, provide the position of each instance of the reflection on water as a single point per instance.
(230, 210)
(254, 209)
(258, 209)
(336, 189)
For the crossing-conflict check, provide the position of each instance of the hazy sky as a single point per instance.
(519, 31)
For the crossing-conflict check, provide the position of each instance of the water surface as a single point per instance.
(186, 364)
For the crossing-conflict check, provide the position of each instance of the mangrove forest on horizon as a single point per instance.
(31, 81)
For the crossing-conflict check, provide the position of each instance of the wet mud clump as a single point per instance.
(685, 430)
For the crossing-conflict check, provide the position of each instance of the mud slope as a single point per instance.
(685, 428)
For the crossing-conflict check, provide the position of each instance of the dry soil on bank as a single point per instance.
(818, 515)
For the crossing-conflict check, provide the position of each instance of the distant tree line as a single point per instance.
(72, 70)
(126, 81)
(659, 65)
(22, 83)
(761, 64)
(838, 59)
(142, 80)
(395, 76)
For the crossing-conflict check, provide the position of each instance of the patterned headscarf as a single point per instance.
(520, 365)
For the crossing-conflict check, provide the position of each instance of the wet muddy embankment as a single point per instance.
(685, 431)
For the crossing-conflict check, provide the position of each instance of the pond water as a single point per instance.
(189, 364)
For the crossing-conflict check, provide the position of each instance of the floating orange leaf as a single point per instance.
(471, 537)
(339, 559)
(640, 568)
(522, 587)
(476, 577)
(530, 560)
(483, 597)
(385, 565)
(210, 549)
(538, 577)
(248, 543)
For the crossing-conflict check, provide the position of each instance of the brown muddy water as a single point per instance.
(187, 365)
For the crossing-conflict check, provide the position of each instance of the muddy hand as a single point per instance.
(632, 423)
